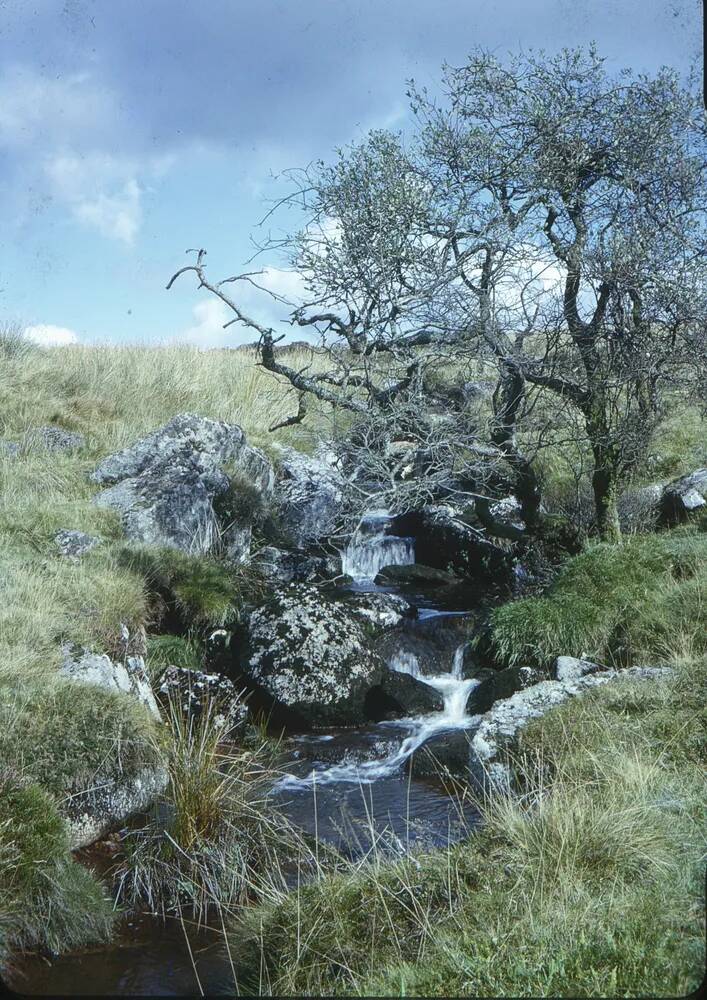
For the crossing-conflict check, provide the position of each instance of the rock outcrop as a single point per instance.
(196, 692)
(500, 726)
(170, 488)
(684, 497)
(93, 812)
(309, 501)
(281, 566)
(130, 677)
(309, 658)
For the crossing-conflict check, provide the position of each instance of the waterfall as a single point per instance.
(370, 548)
(455, 694)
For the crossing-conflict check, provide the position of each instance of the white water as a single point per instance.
(370, 548)
(455, 693)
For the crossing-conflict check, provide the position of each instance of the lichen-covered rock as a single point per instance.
(683, 497)
(309, 501)
(168, 486)
(282, 567)
(93, 812)
(74, 544)
(195, 691)
(500, 726)
(130, 677)
(570, 668)
(380, 611)
(310, 657)
(56, 438)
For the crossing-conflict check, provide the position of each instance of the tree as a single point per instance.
(543, 218)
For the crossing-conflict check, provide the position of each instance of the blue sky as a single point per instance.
(132, 130)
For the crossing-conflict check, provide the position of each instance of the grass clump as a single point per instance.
(213, 830)
(201, 590)
(614, 603)
(47, 900)
(588, 883)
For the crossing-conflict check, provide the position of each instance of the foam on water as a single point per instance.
(455, 694)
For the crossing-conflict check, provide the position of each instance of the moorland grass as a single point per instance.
(616, 603)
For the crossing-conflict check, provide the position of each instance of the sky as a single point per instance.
(133, 130)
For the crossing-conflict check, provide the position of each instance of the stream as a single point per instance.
(352, 788)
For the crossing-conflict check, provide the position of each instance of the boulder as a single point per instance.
(683, 497)
(500, 726)
(94, 812)
(379, 611)
(130, 677)
(308, 658)
(495, 685)
(194, 690)
(400, 695)
(569, 668)
(446, 752)
(74, 544)
(282, 567)
(309, 501)
(444, 540)
(170, 487)
(415, 573)
(426, 648)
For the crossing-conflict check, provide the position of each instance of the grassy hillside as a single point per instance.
(53, 736)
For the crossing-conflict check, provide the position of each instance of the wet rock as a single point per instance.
(282, 567)
(74, 544)
(130, 677)
(309, 658)
(309, 501)
(401, 695)
(446, 752)
(194, 691)
(426, 647)
(56, 438)
(415, 573)
(683, 497)
(444, 540)
(170, 487)
(495, 685)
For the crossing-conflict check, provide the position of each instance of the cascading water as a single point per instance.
(370, 548)
(455, 694)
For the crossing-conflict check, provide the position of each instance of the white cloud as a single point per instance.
(102, 191)
(47, 335)
(207, 331)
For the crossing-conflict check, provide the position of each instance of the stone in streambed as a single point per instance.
(416, 573)
(309, 659)
(400, 695)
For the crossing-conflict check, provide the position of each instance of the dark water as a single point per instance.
(150, 959)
